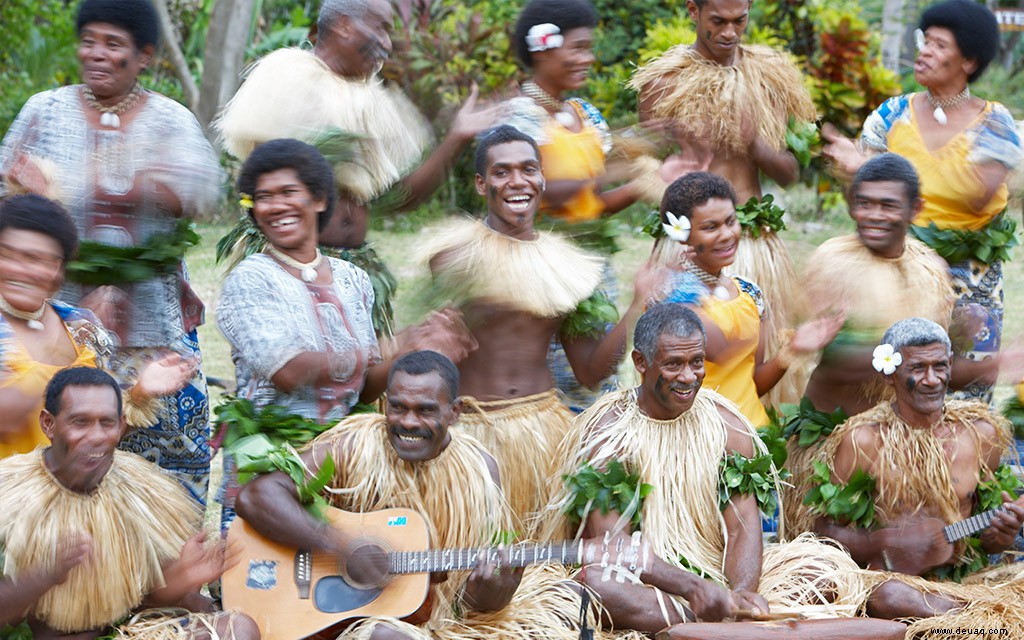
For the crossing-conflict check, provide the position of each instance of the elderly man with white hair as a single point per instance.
(891, 481)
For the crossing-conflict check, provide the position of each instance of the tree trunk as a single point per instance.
(171, 40)
(226, 40)
(892, 34)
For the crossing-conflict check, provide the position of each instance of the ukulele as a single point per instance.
(293, 593)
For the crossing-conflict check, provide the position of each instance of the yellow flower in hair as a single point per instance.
(245, 201)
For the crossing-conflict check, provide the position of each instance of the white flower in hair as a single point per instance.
(885, 359)
(542, 37)
(677, 229)
(919, 39)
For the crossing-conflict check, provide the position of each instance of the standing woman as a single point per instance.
(963, 147)
(129, 165)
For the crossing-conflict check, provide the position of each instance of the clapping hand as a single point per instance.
(816, 334)
(470, 120)
(165, 375)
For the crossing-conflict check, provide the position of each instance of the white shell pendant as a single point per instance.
(308, 274)
(721, 292)
(35, 325)
(111, 120)
(565, 119)
(940, 116)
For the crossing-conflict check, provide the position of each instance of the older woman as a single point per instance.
(39, 336)
(129, 164)
(963, 147)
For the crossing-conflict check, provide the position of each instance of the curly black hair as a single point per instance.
(501, 134)
(287, 153)
(889, 167)
(32, 212)
(564, 14)
(693, 190)
(974, 28)
(137, 17)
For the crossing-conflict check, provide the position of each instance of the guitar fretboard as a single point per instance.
(520, 555)
(972, 525)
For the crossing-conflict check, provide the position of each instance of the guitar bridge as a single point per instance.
(303, 572)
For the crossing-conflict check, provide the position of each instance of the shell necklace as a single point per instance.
(307, 270)
(713, 283)
(940, 105)
(553, 105)
(31, 318)
(109, 115)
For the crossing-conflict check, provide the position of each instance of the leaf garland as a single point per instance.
(853, 502)
(591, 317)
(1013, 411)
(264, 440)
(990, 496)
(810, 425)
(761, 215)
(750, 476)
(99, 263)
(597, 235)
(988, 244)
(652, 225)
(16, 632)
(612, 489)
(802, 139)
(773, 436)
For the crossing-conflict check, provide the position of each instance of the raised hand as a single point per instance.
(442, 331)
(846, 158)
(474, 118)
(166, 375)
(816, 334)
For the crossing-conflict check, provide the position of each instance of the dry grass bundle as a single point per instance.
(137, 519)
(523, 434)
(814, 577)
(713, 102)
(547, 277)
(293, 94)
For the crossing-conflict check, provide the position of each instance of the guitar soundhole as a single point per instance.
(333, 595)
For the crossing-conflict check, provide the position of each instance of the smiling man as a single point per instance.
(693, 451)
(878, 275)
(92, 534)
(409, 458)
(517, 288)
(924, 463)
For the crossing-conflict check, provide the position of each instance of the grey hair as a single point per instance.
(916, 332)
(332, 10)
(669, 318)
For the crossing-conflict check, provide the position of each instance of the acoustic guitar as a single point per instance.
(293, 593)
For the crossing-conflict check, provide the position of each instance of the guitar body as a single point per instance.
(268, 581)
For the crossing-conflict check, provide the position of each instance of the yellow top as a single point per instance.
(30, 378)
(949, 180)
(740, 321)
(572, 155)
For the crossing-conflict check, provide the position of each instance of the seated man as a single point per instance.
(91, 534)
(409, 458)
(680, 464)
(519, 287)
(921, 463)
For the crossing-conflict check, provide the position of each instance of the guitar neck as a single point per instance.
(970, 526)
(519, 555)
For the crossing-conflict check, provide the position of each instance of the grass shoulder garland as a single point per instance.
(989, 244)
(161, 254)
(610, 489)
